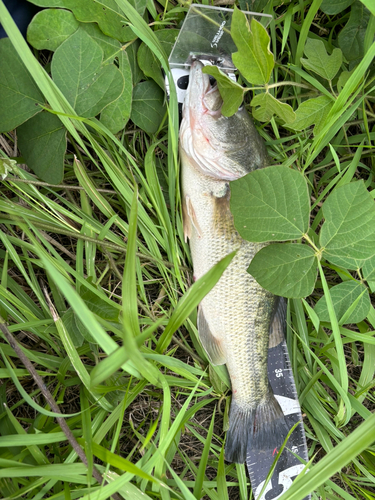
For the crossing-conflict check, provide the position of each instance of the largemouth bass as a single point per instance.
(236, 317)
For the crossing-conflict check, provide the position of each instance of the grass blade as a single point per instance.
(203, 462)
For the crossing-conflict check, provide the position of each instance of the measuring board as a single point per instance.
(259, 462)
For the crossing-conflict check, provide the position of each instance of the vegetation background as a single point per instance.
(96, 284)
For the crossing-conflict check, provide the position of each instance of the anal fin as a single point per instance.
(211, 344)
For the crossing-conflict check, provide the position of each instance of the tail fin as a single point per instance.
(262, 428)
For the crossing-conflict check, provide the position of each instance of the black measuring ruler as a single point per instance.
(259, 462)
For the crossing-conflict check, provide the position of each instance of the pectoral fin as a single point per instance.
(278, 325)
(211, 344)
(186, 221)
(189, 219)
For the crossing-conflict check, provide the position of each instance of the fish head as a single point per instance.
(221, 147)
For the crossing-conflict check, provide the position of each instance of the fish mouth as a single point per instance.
(204, 95)
(198, 80)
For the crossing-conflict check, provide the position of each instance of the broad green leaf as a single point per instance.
(116, 115)
(148, 106)
(42, 142)
(368, 269)
(370, 5)
(78, 71)
(19, 94)
(265, 106)
(149, 63)
(343, 296)
(343, 78)
(319, 61)
(77, 331)
(270, 204)
(351, 38)
(254, 59)
(50, 28)
(312, 111)
(288, 270)
(230, 91)
(100, 307)
(132, 51)
(106, 13)
(50, 3)
(110, 46)
(139, 5)
(348, 233)
(332, 7)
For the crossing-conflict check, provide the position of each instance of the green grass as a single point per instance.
(96, 286)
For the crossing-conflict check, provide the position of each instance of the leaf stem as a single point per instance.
(293, 84)
(333, 92)
(266, 87)
(310, 241)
